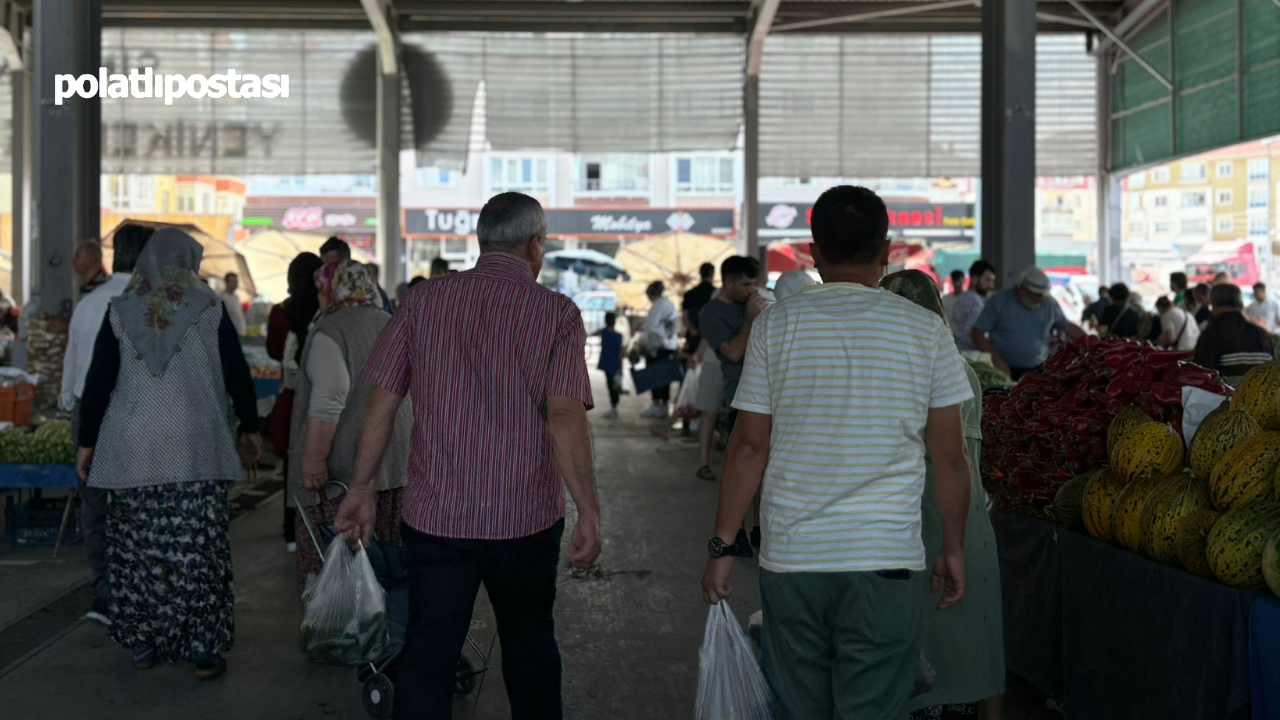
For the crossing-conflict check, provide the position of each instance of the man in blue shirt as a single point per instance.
(1014, 326)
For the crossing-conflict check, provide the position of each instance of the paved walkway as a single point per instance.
(630, 643)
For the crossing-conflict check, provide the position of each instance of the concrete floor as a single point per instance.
(630, 643)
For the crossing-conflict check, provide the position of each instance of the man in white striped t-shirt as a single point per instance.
(845, 385)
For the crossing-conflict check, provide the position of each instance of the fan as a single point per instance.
(430, 96)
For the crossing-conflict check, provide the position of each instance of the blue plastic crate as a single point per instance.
(35, 523)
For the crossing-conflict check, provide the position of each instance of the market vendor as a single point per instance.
(1015, 324)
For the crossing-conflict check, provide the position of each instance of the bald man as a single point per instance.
(87, 263)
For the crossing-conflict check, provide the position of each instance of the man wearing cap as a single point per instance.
(1015, 324)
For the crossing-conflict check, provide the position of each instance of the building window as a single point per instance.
(1160, 201)
(1160, 175)
(1226, 169)
(1136, 228)
(1259, 226)
(1258, 196)
(1259, 169)
(614, 173)
(797, 182)
(1135, 202)
(1195, 226)
(1225, 197)
(1160, 228)
(434, 177)
(1137, 180)
(186, 199)
(1226, 224)
(704, 175)
(1192, 171)
(528, 175)
(1193, 199)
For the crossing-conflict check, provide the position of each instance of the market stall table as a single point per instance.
(1116, 635)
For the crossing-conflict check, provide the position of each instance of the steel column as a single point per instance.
(20, 155)
(67, 158)
(1108, 188)
(751, 166)
(390, 246)
(1008, 136)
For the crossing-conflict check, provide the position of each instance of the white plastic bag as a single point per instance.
(687, 400)
(1196, 405)
(730, 684)
(345, 620)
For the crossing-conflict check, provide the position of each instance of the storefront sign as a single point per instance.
(782, 219)
(583, 223)
(310, 214)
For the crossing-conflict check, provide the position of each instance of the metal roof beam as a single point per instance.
(1106, 30)
(382, 16)
(875, 15)
(759, 33)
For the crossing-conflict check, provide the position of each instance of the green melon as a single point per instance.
(1237, 541)
(1150, 449)
(1126, 520)
(1098, 504)
(1271, 562)
(1170, 504)
(1259, 393)
(1067, 507)
(1218, 434)
(1193, 539)
(1124, 421)
(1246, 472)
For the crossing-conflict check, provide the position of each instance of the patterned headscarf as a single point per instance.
(917, 287)
(346, 283)
(164, 298)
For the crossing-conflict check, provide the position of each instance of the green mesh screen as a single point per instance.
(1223, 57)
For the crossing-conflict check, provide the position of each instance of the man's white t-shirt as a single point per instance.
(1268, 311)
(234, 311)
(660, 328)
(1183, 326)
(848, 374)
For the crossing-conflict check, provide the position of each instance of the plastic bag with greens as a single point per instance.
(344, 620)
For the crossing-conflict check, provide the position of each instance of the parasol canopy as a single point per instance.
(269, 252)
(591, 263)
(673, 258)
(219, 257)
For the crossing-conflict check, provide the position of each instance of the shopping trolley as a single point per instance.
(390, 566)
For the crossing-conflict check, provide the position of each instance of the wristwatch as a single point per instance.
(717, 548)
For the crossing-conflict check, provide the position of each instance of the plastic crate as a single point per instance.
(15, 403)
(35, 523)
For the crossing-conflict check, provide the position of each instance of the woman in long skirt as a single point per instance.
(156, 433)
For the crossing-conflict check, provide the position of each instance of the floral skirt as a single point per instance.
(169, 566)
(945, 712)
(387, 527)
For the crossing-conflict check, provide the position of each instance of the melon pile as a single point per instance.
(1219, 515)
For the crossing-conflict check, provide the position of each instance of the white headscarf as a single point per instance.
(791, 282)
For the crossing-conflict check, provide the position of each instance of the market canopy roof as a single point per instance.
(219, 257)
(269, 252)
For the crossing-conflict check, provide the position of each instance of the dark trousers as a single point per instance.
(444, 576)
(93, 523)
(290, 514)
(662, 393)
(615, 388)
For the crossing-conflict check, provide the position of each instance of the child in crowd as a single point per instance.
(611, 361)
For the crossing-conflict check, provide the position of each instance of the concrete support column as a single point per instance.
(750, 219)
(20, 155)
(390, 246)
(67, 161)
(1008, 136)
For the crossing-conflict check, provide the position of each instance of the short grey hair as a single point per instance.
(509, 220)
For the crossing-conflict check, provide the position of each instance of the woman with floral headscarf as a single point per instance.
(328, 409)
(965, 643)
(154, 430)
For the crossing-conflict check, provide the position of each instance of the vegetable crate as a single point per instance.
(15, 403)
(35, 523)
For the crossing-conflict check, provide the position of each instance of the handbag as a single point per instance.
(656, 374)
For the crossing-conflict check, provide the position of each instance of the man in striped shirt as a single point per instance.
(845, 385)
(494, 365)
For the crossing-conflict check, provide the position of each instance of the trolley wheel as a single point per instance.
(378, 696)
(465, 682)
